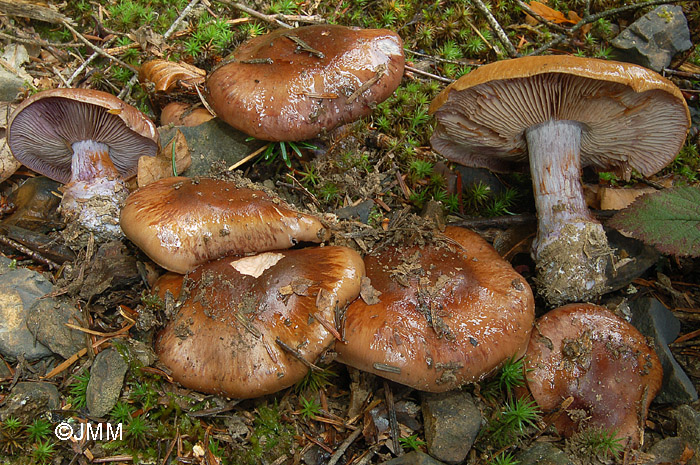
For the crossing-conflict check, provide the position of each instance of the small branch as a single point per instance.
(526, 8)
(427, 74)
(344, 446)
(28, 252)
(85, 64)
(297, 355)
(179, 19)
(38, 42)
(269, 18)
(97, 49)
(502, 37)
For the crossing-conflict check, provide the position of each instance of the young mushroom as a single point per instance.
(444, 315)
(89, 140)
(255, 325)
(181, 222)
(563, 113)
(601, 363)
(293, 84)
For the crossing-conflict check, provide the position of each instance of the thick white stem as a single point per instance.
(571, 249)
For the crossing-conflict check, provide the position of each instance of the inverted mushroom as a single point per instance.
(247, 323)
(293, 84)
(562, 113)
(89, 140)
(447, 314)
(181, 222)
(603, 363)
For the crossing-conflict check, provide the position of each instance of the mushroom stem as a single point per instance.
(571, 250)
(96, 192)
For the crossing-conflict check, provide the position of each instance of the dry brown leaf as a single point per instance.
(151, 169)
(616, 199)
(550, 14)
(166, 75)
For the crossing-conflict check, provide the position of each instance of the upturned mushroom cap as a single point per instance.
(181, 222)
(447, 314)
(603, 362)
(44, 127)
(632, 117)
(224, 338)
(293, 84)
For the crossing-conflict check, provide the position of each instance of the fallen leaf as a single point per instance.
(166, 75)
(617, 199)
(151, 169)
(550, 14)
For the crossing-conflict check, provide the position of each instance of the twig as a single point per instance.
(500, 33)
(28, 252)
(66, 363)
(248, 157)
(39, 42)
(683, 74)
(297, 355)
(393, 422)
(430, 75)
(344, 446)
(85, 64)
(443, 60)
(256, 14)
(97, 49)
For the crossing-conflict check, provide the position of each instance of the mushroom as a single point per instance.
(181, 222)
(89, 140)
(291, 85)
(562, 113)
(603, 363)
(446, 314)
(183, 114)
(252, 326)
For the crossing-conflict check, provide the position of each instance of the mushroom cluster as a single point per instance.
(563, 113)
(293, 84)
(89, 140)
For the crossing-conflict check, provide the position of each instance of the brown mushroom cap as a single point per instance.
(278, 89)
(224, 337)
(631, 116)
(603, 362)
(181, 222)
(44, 127)
(184, 114)
(447, 314)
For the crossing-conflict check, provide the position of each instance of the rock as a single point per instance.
(10, 85)
(543, 453)
(37, 200)
(451, 422)
(670, 451)
(359, 212)
(106, 380)
(30, 400)
(47, 322)
(414, 458)
(635, 258)
(658, 323)
(475, 176)
(654, 39)
(19, 290)
(211, 142)
(138, 353)
(688, 420)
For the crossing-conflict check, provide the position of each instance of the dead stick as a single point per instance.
(393, 422)
(97, 49)
(427, 74)
(28, 252)
(500, 33)
(296, 354)
(344, 446)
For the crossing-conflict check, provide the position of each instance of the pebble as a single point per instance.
(451, 422)
(29, 400)
(47, 322)
(654, 39)
(414, 458)
(106, 379)
(543, 453)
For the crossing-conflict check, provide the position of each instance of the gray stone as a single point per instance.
(138, 353)
(19, 290)
(451, 422)
(670, 450)
(543, 453)
(106, 380)
(47, 321)
(211, 142)
(655, 38)
(688, 424)
(30, 400)
(10, 86)
(359, 212)
(414, 458)
(658, 323)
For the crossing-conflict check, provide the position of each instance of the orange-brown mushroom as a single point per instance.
(447, 314)
(183, 114)
(292, 84)
(603, 363)
(246, 322)
(181, 222)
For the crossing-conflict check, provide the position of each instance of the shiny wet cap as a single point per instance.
(293, 84)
